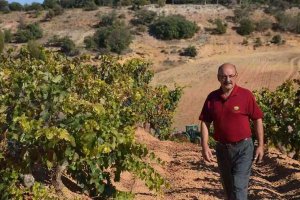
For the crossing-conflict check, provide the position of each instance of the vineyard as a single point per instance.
(77, 117)
(86, 123)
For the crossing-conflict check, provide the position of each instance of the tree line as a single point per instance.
(93, 4)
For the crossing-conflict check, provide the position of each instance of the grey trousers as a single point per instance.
(234, 162)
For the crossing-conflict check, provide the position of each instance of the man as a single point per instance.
(230, 108)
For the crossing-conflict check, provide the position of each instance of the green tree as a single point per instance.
(33, 6)
(3, 5)
(50, 3)
(173, 27)
(15, 6)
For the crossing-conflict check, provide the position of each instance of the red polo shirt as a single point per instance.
(231, 116)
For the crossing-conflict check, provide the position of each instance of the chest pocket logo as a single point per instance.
(236, 109)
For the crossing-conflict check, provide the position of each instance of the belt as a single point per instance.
(233, 143)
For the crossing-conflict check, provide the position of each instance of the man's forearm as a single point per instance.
(204, 133)
(259, 131)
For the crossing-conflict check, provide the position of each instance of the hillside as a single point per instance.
(269, 65)
(265, 66)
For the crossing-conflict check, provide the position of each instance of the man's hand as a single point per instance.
(259, 153)
(259, 130)
(206, 153)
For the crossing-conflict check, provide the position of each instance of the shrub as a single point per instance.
(144, 17)
(15, 6)
(33, 6)
(108, 19)
(50, 3)
(68, 47)
(263, 25)
(221, 27)
(289, 22)
(173, 27)
(136, 4)
(285, 21)
(245, 42)
(7, 35)
(258, 42)
(22, 23)
(35, 50)
(246, 27)
(190, 51)
(120, 39)
(4, 5)
(241, 13)
(140, 29)
(30, 32)
(115, 38)
(58, 10)
(67, 3)
(89, 42)
(90, 5)
(54, 41)
(279, 4)
(49, 15)
(277, 39)
(161, 3)
(2, 41)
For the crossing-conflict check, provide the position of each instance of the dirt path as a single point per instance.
(278, 177)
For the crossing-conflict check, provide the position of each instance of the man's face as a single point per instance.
(227, 77)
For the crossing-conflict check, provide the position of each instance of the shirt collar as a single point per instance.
(234, 92)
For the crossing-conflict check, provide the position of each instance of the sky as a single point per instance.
(25, 1)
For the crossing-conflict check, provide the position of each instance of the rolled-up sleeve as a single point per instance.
(254, 110)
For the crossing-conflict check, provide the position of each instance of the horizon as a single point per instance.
(23, 2)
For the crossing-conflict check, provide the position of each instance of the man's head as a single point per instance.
(227, 75)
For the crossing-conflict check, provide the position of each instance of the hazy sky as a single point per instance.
(26, 1)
